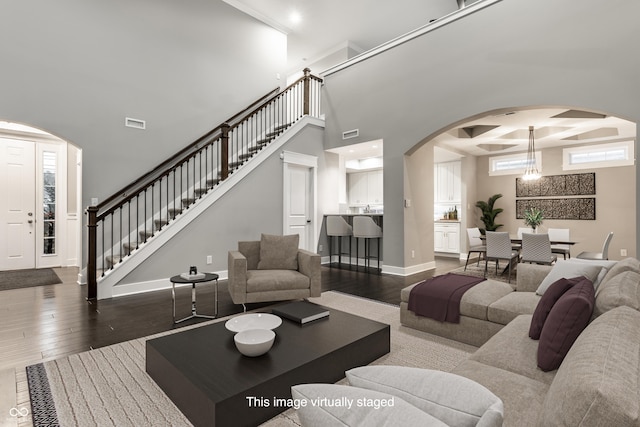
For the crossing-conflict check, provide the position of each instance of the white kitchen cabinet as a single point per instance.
(366, 188)
(375, 187)
(448, 182)
(446, 238)
(358, 188)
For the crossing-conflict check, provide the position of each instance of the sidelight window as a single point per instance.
(49, 161)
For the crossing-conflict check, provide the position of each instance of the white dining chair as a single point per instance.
(476, 245)
(536, 249)
(520, 232)
(499, 248)
(598, 255)
(560, 235)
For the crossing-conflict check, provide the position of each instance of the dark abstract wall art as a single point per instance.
(555, 196)
(582, 208)
(579, 184)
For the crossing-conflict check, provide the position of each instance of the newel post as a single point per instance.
(306, 89)
(92, 281)
(224, 152)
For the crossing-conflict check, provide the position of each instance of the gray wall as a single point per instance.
(77, 68)
(515, 53)
(252, 207)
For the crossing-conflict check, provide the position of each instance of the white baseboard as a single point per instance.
(154, 285)
(408, 271)
(387, 269)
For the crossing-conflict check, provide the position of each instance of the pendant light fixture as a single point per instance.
(531, 172)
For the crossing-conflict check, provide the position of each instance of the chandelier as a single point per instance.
(531, 170)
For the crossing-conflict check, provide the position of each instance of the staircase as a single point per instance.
(126, 222)
(198, 191)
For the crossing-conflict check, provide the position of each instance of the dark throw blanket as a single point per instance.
(439, 297)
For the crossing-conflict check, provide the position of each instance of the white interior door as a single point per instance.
(300, 198)
(298, 215)
(17, 204)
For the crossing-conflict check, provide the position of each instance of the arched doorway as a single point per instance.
(40, 215)
(480, 141)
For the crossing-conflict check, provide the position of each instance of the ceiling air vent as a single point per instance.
(350, 134)
(135, 123)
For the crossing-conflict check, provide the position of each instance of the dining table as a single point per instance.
(518, 241)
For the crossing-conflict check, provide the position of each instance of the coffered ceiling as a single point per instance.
(508, 131)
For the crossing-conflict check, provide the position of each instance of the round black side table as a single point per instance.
(208, 277)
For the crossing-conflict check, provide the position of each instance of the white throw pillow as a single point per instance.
(604, 263)
(569, 269)
(454, 400)
(327, 405)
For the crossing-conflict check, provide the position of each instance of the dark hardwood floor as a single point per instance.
(46, 322)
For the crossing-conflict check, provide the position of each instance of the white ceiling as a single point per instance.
(328, 25)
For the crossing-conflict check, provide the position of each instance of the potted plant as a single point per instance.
(489, 213)
(533, 217)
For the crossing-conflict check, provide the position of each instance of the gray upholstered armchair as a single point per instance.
(273, 269)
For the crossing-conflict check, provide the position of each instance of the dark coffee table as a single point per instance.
(203, 373)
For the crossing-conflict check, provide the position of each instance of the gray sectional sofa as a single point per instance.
(598, 382)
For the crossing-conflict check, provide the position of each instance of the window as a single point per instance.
(49, 202)
(512, 164)
(598, 156)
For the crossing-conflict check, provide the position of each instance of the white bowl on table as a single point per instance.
(253, 321)
(254, 342)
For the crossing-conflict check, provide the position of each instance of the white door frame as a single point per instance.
(298, 159)
(68, 224)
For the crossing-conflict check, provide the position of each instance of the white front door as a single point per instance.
(17, 204)
(299, 197)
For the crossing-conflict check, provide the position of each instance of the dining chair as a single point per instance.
(562, 235)
(499, 248)
(476, 245)
(520, 232)
(598, 255)
(536, 248)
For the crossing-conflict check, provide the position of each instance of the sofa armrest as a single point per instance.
(237, 271)
(309, 265)
(530, 276)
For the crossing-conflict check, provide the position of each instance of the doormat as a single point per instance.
(16, 279)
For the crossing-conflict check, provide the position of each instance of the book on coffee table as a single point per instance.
(301, 311)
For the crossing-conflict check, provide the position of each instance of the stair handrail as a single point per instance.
(219, 135)
(180, 156)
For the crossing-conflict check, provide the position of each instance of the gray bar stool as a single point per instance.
(338, 227)
(366, 228)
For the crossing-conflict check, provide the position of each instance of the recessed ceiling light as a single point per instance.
(295, 17)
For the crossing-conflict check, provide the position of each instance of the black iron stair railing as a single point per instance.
(126, 220)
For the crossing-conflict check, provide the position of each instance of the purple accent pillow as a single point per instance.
(566, 320)
(546, 303)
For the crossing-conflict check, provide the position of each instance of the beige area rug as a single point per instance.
(109, 386)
